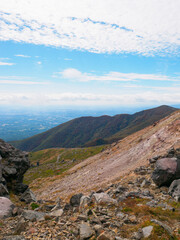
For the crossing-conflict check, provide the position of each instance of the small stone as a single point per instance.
(28, 196)
(174, 190)
(103, 236)
(103, 198)
(85, 231)
(21, 226)
(145, 183)
(147, 231)
(120, 215)
(56, 213)
(98, 228)
(6, 207)
(138, 235)
(82, 217)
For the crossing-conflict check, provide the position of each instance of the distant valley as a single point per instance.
(18, 125)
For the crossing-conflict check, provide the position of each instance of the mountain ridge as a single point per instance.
(92, 131)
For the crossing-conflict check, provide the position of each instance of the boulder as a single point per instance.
(6, 207)
(13, 164)
(75, 200)
(166, 171)
(174, 189)
(103, 199)
(28, 196)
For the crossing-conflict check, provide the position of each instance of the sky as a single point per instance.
(99, 53)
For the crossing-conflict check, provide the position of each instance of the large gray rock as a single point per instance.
(166, 171)
(85, 231)
(147, 231)
(75, 200)
(6, 207)
(13, 164)
(103, 199)
(28, 196)
(33, 215)
(174, 189)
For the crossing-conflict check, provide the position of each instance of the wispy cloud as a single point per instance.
(21, 82)
(23, 56)
(6, 64)
(39, 62)
(143, 27)
(67, 59)
(74, 74)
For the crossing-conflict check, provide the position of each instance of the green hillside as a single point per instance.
(55, 161)
(91, 131)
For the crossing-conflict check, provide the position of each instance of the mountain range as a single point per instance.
(93, 131)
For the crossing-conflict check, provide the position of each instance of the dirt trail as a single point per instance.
(119, 159)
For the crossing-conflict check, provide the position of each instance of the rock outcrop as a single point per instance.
(13, 164)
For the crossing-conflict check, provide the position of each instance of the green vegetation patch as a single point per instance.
(56, 161)
(34, 205)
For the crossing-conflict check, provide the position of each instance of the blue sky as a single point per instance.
(78, 53)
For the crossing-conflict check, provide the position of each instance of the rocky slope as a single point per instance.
(92, 131)
(115, 162)
(133, 208)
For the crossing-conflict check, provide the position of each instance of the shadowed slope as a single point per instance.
(91, 131)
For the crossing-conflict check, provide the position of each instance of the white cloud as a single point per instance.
(69, 98)
(39, 62)
(23, 56)
(6, 64)
(74, 74)
(131, 26)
